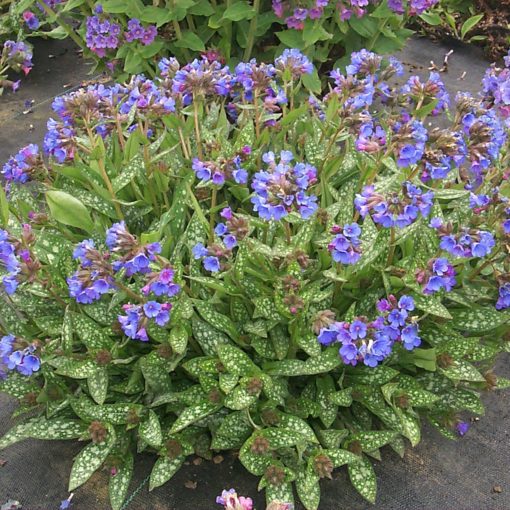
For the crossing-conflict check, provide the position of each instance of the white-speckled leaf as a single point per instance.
(363, 478)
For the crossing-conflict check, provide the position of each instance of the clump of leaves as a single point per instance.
(208, 263)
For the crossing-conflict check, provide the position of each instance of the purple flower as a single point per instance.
(282, 188)
(293, 61)
(31, 20)
(212, 264)
(467, 243)
(439, 274)
(162, 283)
(462, 427)
(503, 301)
(372, 342)
(345, 247)
(398, 209)
(134, 323)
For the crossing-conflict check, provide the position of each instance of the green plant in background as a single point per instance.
(213, 260)
(130, 36)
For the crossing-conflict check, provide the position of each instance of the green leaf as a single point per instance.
(89, 460)
(69, 210)
(163, 470)
(90, 333)
(431, 18)
(98, 385)
(208, 337)
(216, 319)
(291, 422)
(133, 169)
(363, 478)
(40, 428)
(232, 432)
(373, 439)
(282, 493)
(461, 370)
(431, 305)
(150, 430)
(239, 399)
(479, 320)
(341, 457)
(4, 208)
(119, 484)
(308, 489)
(236, 361)
(191, 41)
(341, 398)
(256, 464)
(291, 38)
(239, 11)
(470, 23)
(178, 339)
(376, 376)
(193, 414)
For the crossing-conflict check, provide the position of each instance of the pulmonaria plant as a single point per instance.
(213, 260)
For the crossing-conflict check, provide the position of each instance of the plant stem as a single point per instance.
(252, 30)
(288, 232)
(197, 129)
(104, 174)
(391, 253)
(214, 197)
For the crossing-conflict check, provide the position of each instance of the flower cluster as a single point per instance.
(227, 168)
(372, 341)
(345, 246)
(396, 210)
(232, 230)
(102, 34)
(17, 55)
(136, 31)
(439, 274)
(59, 141)
(101, 272)
(20, 167)
(231, 501)
(371, 137)
(300, 14)
(135, 322)
(31, 20)
(485, 134)
(22, 360)
(467, 243)
(409, 137)
(134, 258)
(199, 79)
(445, 149)
(503, 301)
(293, 62)
(94, 277)
(496, 89)
(9, 263)
(282, 188)
(161, 283)
(421, 93)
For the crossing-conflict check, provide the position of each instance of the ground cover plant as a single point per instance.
(217, 260)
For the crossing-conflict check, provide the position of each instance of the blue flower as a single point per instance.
(199, 251)
(282, 188)
(295, 62)
(212, 264)
(503, 301)
(345, 247)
